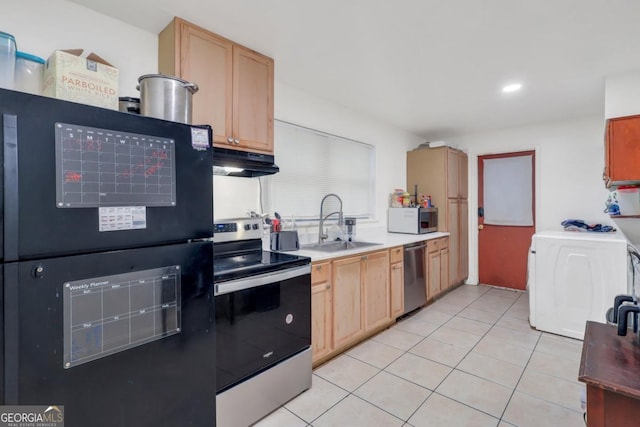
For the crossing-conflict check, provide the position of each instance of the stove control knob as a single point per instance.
(254, 226)
(247, 227)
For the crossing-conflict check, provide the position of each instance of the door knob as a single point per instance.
(480, 226)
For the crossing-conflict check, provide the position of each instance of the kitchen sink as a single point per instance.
(338, 246)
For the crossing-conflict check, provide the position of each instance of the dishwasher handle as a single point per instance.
(415, 247)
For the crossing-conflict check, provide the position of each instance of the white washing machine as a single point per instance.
(574, 277)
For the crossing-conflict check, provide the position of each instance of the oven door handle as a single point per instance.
(260, 280)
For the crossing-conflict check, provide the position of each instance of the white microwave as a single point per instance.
(413, 220)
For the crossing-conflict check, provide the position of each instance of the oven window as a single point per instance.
(258, 327)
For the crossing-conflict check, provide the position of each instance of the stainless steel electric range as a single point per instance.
(263, 323)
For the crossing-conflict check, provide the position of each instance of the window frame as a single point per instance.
(310, 216)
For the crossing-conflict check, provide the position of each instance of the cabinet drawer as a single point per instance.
(395, 254)
(320, 272)
(433, 245)
(444, 243)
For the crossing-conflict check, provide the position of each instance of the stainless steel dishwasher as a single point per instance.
(415, 284)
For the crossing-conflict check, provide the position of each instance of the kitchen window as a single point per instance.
(313, 164)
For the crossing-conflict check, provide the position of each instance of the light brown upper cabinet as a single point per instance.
(235, 83)
(622, 151)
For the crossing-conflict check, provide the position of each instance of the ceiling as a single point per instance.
(432, 67)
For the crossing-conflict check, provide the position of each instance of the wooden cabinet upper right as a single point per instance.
(622, 151)
(236, 84)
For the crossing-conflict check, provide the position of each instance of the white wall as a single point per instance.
(622, 95)
(569, 164)
(234, 196)
(391, 144)
(42, 26)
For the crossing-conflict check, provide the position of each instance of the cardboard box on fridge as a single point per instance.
(87, 80)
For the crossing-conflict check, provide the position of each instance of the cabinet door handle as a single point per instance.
(364, 258)
(318, 267)
(236, 141)
(230, 140)
(328, 286)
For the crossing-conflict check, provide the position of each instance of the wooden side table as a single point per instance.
(610, 366)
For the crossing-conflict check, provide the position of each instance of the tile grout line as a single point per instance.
(471, 349)
(519, 379)
(547, 375)
(403, 354)
(522, 374)
(295, 415)
(349, 393)
(525, 366)
(455, 367)
(408, 351)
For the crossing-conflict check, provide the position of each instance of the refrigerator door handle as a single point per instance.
(10, 196)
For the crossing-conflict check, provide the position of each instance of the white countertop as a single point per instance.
(385, 240)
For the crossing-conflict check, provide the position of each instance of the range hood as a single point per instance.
(242, 163)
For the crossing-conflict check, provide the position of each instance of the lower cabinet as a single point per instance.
(433, 268)
(350, 298)
(375, 290)
(355, 296)
(361, 296)
(347, 301)
(396, 281)
(437, 262)
(321, 310)
(444, 264)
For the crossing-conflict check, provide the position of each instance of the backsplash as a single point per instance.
(235, 197)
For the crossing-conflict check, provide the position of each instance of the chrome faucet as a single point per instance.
(322, 236)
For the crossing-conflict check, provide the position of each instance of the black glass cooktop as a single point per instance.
(235, 265)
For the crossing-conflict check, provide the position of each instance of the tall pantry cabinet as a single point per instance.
(442, 173)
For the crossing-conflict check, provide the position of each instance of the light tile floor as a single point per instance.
(468, 359)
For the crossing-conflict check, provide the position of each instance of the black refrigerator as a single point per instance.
(106, 301)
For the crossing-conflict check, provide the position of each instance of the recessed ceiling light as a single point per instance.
(512, 88)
